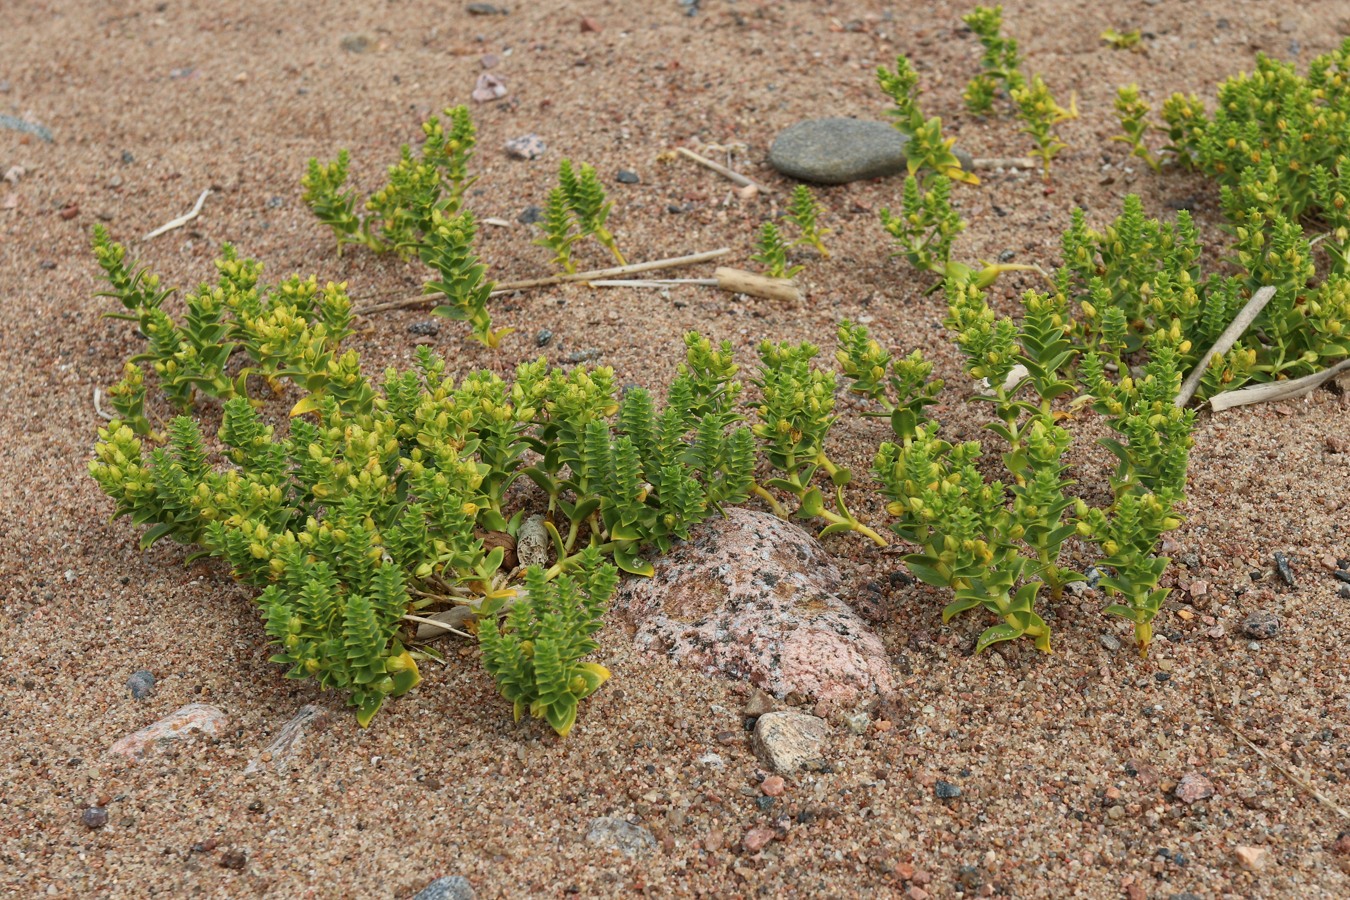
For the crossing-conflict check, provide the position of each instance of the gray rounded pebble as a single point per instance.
(1261, 626)
(531, 214)
(1110, 642)
(448, 887)
(945, 790)
(627, 177)
(141, 684)
(425, 329)
(543, 337)
(94, 817)
(838, 150)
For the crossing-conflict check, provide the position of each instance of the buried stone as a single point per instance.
(753, 597)
(839, 150)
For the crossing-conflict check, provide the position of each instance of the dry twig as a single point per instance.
(1235, 329)
(722, 170)
(181, 220)
(1277, 390)
(507, 287)
(1276, 764)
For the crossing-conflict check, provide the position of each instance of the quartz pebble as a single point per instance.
(756, 839)
(1253, 859)
(618, 834)
(1193, 787)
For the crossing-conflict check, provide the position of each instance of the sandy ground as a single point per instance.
(1066, 763)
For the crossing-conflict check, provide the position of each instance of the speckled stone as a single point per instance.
(195, 717)
(754, 597)
(839, 150)
(448, 887)
(786, 741)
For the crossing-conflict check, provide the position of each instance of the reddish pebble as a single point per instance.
(70, 211)
(773, 786)
(756, 839)
(904, 871)
(1113, 793)
(1342, 845)
(921, 877)
(1193, 787)
(589, 25)
(917, 893)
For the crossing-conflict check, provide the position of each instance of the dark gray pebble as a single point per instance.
(1344, 591)
(530, 215)
(1282, 566)
(543, 337)
(425, 329)
(486, 9)
(1261, 626)
(945, 790)
(969, 878)
(1341, 575)
(141, 684)
(94, 817)
(234, 859)
(581, 356)
(627, 177)
(838, 150)
(449, 887)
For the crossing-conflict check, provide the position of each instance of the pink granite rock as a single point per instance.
(1193, 787)
(195, 717)
(754, 597)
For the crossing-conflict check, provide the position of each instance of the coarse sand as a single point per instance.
(1065, 764)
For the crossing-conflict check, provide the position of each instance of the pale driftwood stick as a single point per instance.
(1003, 162)
(509, 286)
(741, 282)
(722, 170)
(438, 627)
(1235, 329)
(1277, 390)
(98, 406)
(653, 283)
(673, 262)
(181, 220)
(734, 280)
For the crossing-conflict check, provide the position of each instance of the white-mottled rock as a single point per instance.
(754, 597)
(788, 740)
(200, 718)
(618, 834)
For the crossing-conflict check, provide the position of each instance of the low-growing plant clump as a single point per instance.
(387, 501)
